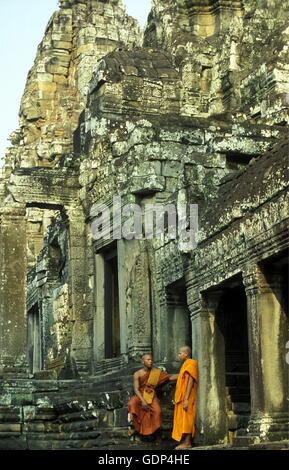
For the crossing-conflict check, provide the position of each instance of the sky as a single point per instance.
(22, 26)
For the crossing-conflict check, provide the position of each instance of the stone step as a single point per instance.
(45, 375)
(280, 445)
(81, 426)
(243, 441)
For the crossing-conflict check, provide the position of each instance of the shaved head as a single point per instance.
(187, 350)
(146, 355)
(147, 361)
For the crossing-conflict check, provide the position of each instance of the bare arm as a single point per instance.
(137, 390)
(173, 378)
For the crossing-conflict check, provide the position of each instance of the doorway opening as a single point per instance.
(111, 304)
(34, 340)
(231, 320)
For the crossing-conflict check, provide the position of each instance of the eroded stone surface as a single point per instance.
(194, 113)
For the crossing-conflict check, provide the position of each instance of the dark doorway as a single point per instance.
(231, 319)
(111, 319)
(34, 340)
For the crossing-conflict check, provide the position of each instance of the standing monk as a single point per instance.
(144, 407)
(185, 399)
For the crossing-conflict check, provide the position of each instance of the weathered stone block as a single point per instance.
(147, 168)
(121, 417)
(173, 169)
(29, 413)
(13, 443)
(147, 184)
(47, 86)
(106, 419)
(10, 427)
(57, 69)
(62, 45)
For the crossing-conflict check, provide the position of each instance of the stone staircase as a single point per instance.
(238, 404)
(90, 414)
(51, 414)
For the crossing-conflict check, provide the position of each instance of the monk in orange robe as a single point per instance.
(185, 399)
(144, 407)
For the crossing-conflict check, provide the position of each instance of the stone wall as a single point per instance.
(218, 48)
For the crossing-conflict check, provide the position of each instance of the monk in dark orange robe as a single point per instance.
(144, 407)
(185, 399)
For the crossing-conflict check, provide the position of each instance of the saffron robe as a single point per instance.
(184, 421)
(147, 422)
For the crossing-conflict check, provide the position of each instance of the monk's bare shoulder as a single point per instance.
(139, 373)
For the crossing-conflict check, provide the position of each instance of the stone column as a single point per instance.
(208, 349)
(13, 355)
(79, 288)
(268, 333)
(98, 335)
(176, 325)
(121, 255)
(138, 298)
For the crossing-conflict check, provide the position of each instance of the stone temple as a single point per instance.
(192, 110)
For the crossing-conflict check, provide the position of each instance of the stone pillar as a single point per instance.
(160, 337)
(79, 287)
(99, 352)
(138, 298)
(121, 255)
(208, 349)
(13, 355)
(268, 333)
(176, 325)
